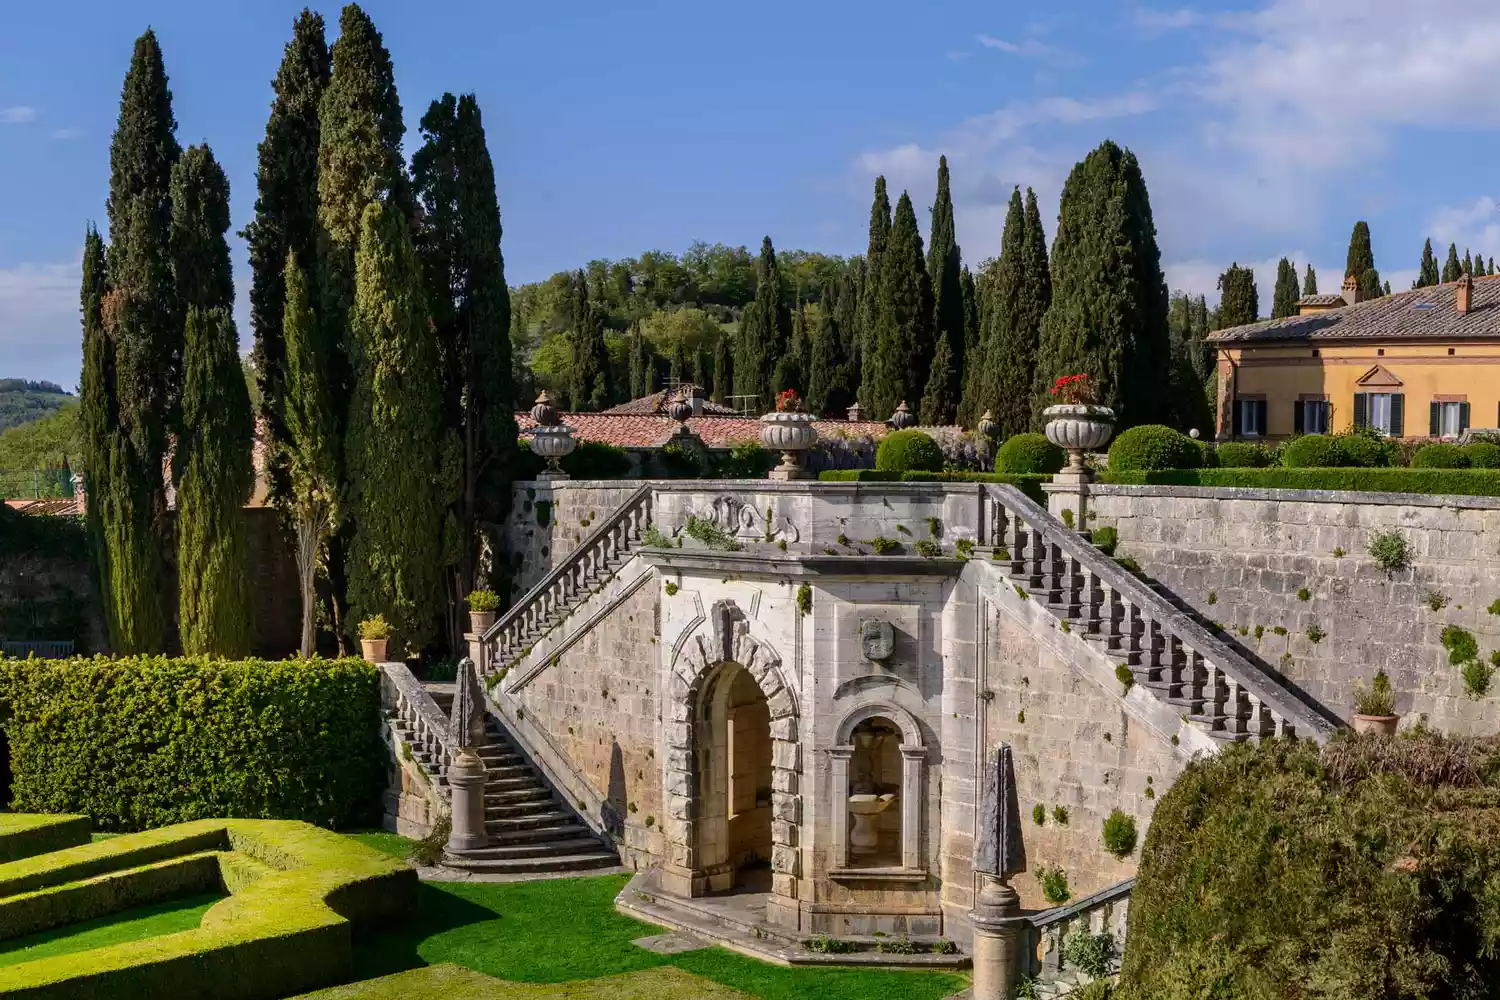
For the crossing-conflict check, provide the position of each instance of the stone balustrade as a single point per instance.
(603, 551)
(1044, 942)
(417, 720)
(1166, 650)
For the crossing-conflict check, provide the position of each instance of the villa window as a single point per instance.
(1380, 411)
(1448, 417)
(1311, 416)
(1249, 417)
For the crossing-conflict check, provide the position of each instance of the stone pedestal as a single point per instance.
(1069, 490)
(466, 776)
(999, 931)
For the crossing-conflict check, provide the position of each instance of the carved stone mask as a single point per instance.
(877, 638)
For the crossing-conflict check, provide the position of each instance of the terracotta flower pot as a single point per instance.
(373, 649)
(480, 621)
(1382, 725)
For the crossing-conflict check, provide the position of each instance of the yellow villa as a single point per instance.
(1417, 364)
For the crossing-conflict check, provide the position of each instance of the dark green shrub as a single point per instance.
(909, 451)
(1119, 834)
(1106, 539)
(597, 460)
(1029, 453)
(1366, 868)
(746, 460)
(183, 739)
(1054, 884)
(1483, 455)
(679, 462)
(1460, 644)
(1367, 449)
(1243, 455)
(1315, 451)
(1153, 446)
(1440, 455)
(1458, 482)
(1089, 952)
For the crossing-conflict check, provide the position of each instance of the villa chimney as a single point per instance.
(1351, 290)
(855, 413)
(1464, 299)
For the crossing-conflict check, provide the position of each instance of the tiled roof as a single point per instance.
(1421, 314)
(656, 403)
(57, 506)
(627, 430)
(1321, 300)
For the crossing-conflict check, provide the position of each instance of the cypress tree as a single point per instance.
(395, 435)
(1361, 262)
(792, 366)
(723, 370)
(98, 422)
(861, 351)
(1452, 269)
(1239, 301)
(1310, 282)
(285, 222)
(588, 374)
(1003, 359)
(311, 449)
(680, 369)
(765, 329)
(1285, 302)
(945, 269)
(899, 344)
(212, 458)
(1427, 274)
(1468, 263)
(144, 320)
(1109, 309)
(1201, 355)
(1492, 266)
(971, 317)
(828, 366)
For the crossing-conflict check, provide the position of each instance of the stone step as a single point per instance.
(497, 786)
(509, 771)
(567, 828)
(520, 810)
(562, 846)
(529, 866)
(516, 796)
(533, 821)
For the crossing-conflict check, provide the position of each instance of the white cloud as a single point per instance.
(1154, 20)
(39, 337)
(18, 115)
(1201, 277)
(1031, 47)
(1475, 227)
(65, 133)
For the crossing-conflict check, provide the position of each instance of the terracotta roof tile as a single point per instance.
(1429, 313)
(656, 403)
(627, 430)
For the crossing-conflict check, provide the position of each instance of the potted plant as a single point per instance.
(374, 634)
(1375, 707)
(789, 430)
(1077, 423)
(482, 607)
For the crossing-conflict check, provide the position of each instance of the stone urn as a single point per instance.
(1379, 725)
(864, 838)
(373, 650)
(1077, 428)
(790, 432)
(551, 438)
(480, 621)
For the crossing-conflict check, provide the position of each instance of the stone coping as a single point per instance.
(1361, 498)
(751, 486)
(758, 563)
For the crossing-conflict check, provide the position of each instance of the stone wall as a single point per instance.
(1279, 569)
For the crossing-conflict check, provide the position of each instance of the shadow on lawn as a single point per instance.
(394, 948)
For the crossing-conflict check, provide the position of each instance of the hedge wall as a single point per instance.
(1031, 485)
(25, 835)
(147, 741)
(1457, 482)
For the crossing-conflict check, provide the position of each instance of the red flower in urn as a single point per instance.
(1073, 389)
(788, 402)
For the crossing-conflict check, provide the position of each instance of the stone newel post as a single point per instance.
(998, 854)
(467, 774)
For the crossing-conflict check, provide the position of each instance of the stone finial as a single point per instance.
(681, 406)
(544, 413)
(987, 425)
(856, 412)
(466, 719)
(902, 418)
(998, 848)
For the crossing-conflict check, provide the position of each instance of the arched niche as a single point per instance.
(860, 765)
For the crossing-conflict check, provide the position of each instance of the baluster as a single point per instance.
(1173, 668)
(1236, 708)
(1131, 631)
(1153, 649)
(1056, 570)
(1091, 602)
(1109, 621)
(1036, 555)
(1194, 679)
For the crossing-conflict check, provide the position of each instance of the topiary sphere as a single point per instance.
(1315, 451)
(1483, 455)
(909, 451)
(1153, 447)
(1440, 455)
(1367, 451)
(1029, 453)
(1243, 455)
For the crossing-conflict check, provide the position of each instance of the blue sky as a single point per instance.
(1264, 129)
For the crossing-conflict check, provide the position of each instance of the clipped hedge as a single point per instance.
(23, 835)
(138, 742)
(1440, 455)
(1367, 450)
(288, 932)
(1368, 868)
(1029, 454)
(1242, 455)
(114, 892)
(909, 451)
(1030, 485)
(1154, 446)
(1315, 451)
(1483, 454)
(1437, 482)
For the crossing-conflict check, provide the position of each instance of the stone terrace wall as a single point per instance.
(1247, 558)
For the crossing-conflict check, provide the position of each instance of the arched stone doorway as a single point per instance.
(716, 667)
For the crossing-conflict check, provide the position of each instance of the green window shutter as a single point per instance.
(1262, 425)
(1361, 410)
(1298, 423)
(1398, 414)
(1238, 427)
(1463, 417)
(1435, 419)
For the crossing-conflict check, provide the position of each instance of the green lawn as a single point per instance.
(131, 925)
(556, 931)
(393, 844)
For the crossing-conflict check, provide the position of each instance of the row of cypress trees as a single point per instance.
(1453, 268)
(381, 319)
